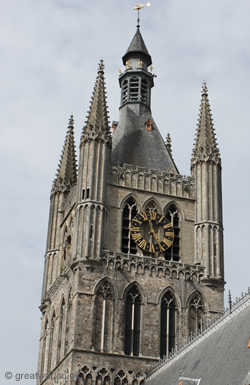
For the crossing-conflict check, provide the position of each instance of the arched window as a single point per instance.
(60, 348)
(129, 212)
(51, 341)
(45, 333)
(134, 89)
(132, 322)
(173, 253)
(103, 318)
(144, 90)
(124, 91)
(195, 314)
(168, 312)
(68, 323)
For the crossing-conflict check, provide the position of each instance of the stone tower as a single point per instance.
(113, 303)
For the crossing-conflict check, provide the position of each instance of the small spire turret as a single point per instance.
(67, 169)
(205, 147)
(97, 123)
(168, 144)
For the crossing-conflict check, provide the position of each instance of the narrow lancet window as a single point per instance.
(173, 253)
(195, 316)
(132, 322)
(104, 318)
(129, 212)
(168, 324)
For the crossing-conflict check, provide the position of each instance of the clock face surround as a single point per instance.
(152, 232)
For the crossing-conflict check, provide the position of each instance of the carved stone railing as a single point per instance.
(207, 329)
(156, 267)
(153, 181)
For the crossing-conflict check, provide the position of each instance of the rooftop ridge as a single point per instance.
(219, 320)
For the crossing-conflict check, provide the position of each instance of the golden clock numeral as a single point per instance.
(144, 216)
(151, 248)
(142, 244)
(136, 237)
(167, 242)
(137, 229)
(167, 225)
(169, 234)
(136, 220)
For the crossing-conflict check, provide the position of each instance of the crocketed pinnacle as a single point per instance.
(168, 144)
(97, 124)
(67, 169)
(205, 147)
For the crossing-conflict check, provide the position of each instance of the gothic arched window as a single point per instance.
(44, 339)
(129, 211)
(132, 322)
(103, 318)
(60, 348)
(173, 253)
(51, 341)
(168, 321)
(68, 322)
(195, 314)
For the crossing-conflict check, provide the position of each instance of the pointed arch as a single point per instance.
(61, 330)
(103, 316)
(168, 321)
(51, 341)
(133, 301)
(195, 306)
(152, 204)
(172, 213)
(129, 211)
(68, 321)
(43, 344)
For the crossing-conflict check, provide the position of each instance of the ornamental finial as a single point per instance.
(138, 7)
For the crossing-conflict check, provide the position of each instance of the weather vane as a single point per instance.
(138, 7)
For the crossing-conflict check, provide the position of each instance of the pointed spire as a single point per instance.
(205, 147)
(137, 46)
(97, 124)
(67, 169)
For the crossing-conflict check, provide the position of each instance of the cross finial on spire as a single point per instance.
(138, 7)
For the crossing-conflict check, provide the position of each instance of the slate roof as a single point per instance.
(137, 45)
(133, 144)
(221, 357)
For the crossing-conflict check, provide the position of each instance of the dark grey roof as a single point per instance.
(133, 144)
(137, 45)
(221, 357)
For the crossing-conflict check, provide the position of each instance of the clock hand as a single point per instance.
(154, 235)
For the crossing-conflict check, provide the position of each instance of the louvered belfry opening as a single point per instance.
(132, 322)
(167, 337)
(129, 212)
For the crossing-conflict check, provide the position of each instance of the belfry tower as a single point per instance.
(134, 257)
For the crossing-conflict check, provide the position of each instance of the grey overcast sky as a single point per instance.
(50, 51)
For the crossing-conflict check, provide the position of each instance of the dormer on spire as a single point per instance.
(67, 169)
(97, 124)
(205, 147)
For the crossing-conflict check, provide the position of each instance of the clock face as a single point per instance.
(152, 232)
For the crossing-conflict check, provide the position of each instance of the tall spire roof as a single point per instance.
(205, 147)
(97, 123)
(67, 168)
(137, 46)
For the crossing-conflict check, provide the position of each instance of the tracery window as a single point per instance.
(173, 253)
(132, 322)
(168, 321)
(103, 318)
(129, 211)
(195, 314)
